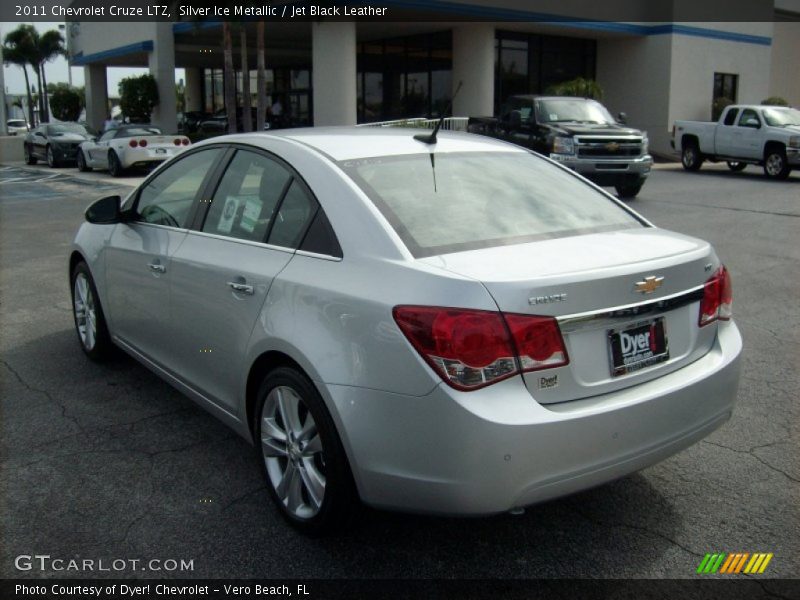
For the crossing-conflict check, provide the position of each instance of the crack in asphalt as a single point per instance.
(44, 393)
(242, 497)
(755, 456)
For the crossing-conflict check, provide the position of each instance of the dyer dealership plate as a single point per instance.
(638, 347)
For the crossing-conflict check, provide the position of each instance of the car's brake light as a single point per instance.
(470, 349)
(538, 341)
(133, 143)
(186, 141)
(717, 300)
(177, 142)
(143, 143)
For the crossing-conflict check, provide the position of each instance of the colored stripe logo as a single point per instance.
(734, 563)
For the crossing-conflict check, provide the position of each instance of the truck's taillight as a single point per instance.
(470, 349)
(717, 298)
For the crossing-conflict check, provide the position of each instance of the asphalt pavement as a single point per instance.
(109, 462)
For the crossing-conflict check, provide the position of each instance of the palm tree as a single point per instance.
(18, 49)
(51, 46)
(261, 84)
(228, 75)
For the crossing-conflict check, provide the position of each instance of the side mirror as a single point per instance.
(751, 122)
(622, 118)
(515, 119)
(105, 211)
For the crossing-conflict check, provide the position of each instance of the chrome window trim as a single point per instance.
(158, 225)
(603, 317)
(317, 255)
(241, 241)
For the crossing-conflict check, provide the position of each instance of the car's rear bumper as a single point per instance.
(496, 449)
(141, 157)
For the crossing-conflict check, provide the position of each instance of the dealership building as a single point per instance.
(335, 72)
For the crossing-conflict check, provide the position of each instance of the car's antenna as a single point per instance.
(430, 138)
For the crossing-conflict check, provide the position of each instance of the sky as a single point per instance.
(57, 70)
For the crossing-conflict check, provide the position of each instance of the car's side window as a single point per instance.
(107, 135)
(749, 118)
(246, 198)
(167, 198)
(730, 117)
(320, 237)
(295, 212)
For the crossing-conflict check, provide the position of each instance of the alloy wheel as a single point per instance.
(688, 157)
(85, 313)
(51, 160)
(293, 453)
(774, 164)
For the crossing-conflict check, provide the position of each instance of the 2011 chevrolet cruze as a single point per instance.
(453, 326)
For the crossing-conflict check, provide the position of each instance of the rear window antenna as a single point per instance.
(430, 138)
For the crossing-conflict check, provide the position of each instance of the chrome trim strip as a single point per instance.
(628, 311)
(316, 255)
(226, 238)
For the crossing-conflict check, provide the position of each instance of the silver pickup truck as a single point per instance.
(745, 135)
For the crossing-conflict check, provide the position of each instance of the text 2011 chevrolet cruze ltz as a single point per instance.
(454, 326)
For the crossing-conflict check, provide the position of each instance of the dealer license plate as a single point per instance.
(638, 347)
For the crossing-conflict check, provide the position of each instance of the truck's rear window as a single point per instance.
(470, 200)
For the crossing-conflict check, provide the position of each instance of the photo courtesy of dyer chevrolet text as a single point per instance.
(161, 589)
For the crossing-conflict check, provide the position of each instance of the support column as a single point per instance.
(192, 89)
(96, 90)
(334, 73)
(162, 67)
(473, 64)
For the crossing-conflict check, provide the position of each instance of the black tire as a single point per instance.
(52, 162)
(82, 166)
(114, 166)
(100, 348)
(628, 191)
(736, 166)
(776, 166)
(340, 500)
(691, 159)
(30, 159)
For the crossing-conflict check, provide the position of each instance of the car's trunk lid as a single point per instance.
(589, 283)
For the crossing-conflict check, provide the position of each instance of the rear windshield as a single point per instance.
(453, 202)
(137, 131)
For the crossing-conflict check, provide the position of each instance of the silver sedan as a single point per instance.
(450, 327)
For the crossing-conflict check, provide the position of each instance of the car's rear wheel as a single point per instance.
(90, 323)
(628, 191)
(82, 166)
(736, 166)
(52, 162)
(30, 159)
(691, 159)
(307, 472)
(114, 166)
(775, 164)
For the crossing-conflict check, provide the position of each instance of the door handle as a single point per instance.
(242, 288)
(156, 268)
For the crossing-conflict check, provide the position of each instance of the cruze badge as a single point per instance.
(534, 300)
(648, 285)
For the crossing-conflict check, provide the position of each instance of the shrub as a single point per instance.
(718, 106)
(66, 104)
(774, 101)
(583, 88)
(138, 97)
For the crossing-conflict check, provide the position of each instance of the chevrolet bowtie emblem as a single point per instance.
(648, 285)
(612, 146)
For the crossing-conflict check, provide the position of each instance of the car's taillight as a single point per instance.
(133, 143)
(717, 300)
(538, 341)
(177, 142)
(143, 143)
(186, 141)
(470, 349)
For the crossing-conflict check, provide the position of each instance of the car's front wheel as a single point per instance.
(30, 159)
(52, 162)
(114, 165)
(307, 472)
(775, 164)
(691, 159)
(628, 191)
(90, 322)
(82, 166)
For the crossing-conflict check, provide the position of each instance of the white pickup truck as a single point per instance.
(745, 135)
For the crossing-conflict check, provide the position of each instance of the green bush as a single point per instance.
(718, 106)
(138, 97)
(583, 88)
(66, 104)
(774, 101)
